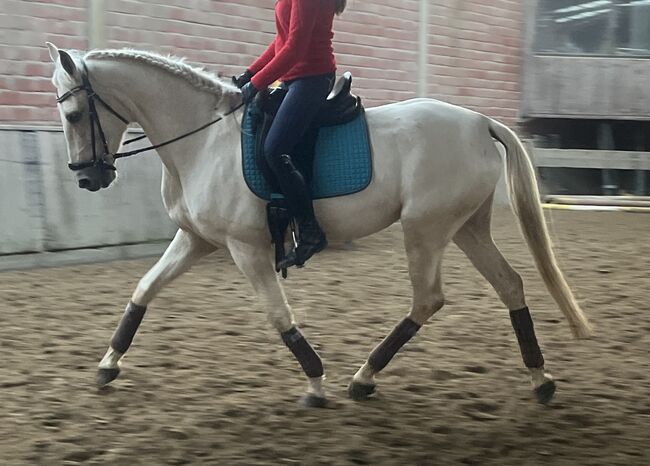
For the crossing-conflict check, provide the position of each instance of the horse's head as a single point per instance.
(93, 130)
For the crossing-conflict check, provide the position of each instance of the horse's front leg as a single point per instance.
(182, 253)
(257, 264)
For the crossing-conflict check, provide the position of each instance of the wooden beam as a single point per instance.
(586, 87)
(603, 159)
(626, 201)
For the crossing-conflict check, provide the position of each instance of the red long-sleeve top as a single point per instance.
(303, 43)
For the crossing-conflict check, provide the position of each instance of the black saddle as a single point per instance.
(341, 106)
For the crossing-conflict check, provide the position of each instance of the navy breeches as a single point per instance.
(304, 99)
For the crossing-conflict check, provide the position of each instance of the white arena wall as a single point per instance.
(42, 209)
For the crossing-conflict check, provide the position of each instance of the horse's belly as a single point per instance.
(358, 215)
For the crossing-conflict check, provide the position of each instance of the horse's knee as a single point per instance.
(280, 318)
(422, 311)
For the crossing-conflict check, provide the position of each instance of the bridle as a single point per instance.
(96, 127)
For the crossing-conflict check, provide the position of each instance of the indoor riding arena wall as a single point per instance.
(464, 52)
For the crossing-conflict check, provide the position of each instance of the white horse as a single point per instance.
(435, 169)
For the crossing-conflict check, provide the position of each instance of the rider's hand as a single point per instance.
(242, 79)
(248, 92)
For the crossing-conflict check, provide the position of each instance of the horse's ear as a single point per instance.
(54, 51)
(67, 62)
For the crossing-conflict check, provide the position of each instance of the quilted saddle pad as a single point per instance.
(342, 161)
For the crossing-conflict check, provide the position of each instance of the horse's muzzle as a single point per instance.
(94, 178)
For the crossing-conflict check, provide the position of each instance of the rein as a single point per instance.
(95, 124)
(119, 155)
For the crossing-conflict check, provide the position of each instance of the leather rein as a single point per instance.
(96, 127)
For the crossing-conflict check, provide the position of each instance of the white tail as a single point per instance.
(524, 196)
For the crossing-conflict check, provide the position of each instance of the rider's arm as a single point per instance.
(262, 61)
(303, 19)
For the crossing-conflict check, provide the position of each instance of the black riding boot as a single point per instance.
(311, 239)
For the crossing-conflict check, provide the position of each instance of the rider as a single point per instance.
(302, 57)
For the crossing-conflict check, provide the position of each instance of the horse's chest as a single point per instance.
(177, 212)
(174, 203)
(192, 215)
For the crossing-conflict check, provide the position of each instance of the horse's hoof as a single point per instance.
(361, 391)
(313, 401)
(106, 376)
(545, 392)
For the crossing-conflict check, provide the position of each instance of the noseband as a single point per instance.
(96, 127)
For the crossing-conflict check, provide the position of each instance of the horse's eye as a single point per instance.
(73, 117)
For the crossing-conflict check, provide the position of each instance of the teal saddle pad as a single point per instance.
(342, 161)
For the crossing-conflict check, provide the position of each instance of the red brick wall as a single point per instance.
(378, 41)
(475, 53)
(25, 70)
(474, 46)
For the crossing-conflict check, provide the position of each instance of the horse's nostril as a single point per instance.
(84, 183)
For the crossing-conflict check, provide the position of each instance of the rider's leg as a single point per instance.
(304, 99)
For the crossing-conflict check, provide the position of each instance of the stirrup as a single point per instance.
(301, 254)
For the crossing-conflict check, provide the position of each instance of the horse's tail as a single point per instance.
(524, 196)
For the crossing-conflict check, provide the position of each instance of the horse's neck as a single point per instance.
(164, 105)
(199, 168)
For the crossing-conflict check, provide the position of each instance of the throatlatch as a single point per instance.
(525, 331)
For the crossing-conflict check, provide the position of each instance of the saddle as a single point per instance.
(340, 108)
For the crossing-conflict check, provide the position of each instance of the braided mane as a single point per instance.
(197, 77)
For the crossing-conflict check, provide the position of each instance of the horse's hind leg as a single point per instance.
(475, 239)
(257, 264)
(424, 253)
(181, 254)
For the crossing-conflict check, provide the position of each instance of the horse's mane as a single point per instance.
(198, 77)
